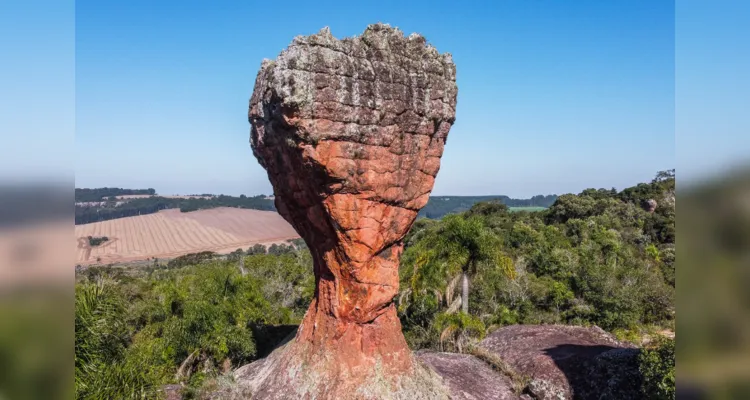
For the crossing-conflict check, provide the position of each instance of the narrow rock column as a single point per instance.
(351, 133)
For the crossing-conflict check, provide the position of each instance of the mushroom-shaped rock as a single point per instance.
(351, 133)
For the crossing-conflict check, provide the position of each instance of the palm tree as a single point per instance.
(461, 330)
(452, 252)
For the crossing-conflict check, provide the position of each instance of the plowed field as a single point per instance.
(171, 233)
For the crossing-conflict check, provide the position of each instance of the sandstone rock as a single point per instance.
(351, 133)
(468, 377)
(566, 362)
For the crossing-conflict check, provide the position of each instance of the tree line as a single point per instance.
(99, 194)
(439, 206)
(141, 206)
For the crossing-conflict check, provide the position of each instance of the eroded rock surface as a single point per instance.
(469, 378)
(566, 362)
(351, 133)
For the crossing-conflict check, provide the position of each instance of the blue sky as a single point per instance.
(554, 96)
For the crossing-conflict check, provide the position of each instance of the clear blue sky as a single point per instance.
(554, 96)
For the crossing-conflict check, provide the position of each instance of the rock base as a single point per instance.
(279, 376)
(556, 363)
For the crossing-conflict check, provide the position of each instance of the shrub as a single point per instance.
(97, 240)
(101, 368)
(657, 366)
(139, 329)
(458, 331)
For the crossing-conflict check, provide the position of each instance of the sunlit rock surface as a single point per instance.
(351, 133)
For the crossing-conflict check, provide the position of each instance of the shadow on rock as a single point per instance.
(269, 337)
(568, 362)
(599, 371)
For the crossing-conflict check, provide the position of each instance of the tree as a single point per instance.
(487, 208)
(257, 249)
(453, 251)
(657, 366)
(459, 329)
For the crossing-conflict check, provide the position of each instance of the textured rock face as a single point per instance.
(468, 377)
(567, 362)
(351, 133)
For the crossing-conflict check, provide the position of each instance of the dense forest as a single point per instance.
(439, 206)
(594, 258)
(141, 206)
(601, 258)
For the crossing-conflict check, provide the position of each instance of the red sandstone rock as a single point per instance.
(351, 133)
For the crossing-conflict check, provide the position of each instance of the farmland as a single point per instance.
(171, 233)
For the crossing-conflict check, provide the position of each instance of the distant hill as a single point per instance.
(438, 206)
(103, 204)
(99, 194)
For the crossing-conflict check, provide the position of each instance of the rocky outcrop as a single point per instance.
(469, 378)
(351, 133)
(567, 362)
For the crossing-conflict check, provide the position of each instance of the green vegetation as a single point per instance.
(191, 259)
(99, 194)
(439, 206)
(137, 330)
(97, 240)
(85, 214)
(593, 258)
(657, 366)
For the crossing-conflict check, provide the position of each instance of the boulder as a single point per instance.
(567, 362)
(469, 378)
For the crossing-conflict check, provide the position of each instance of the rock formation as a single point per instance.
(469, 378)
(351, 133)
(566, 362)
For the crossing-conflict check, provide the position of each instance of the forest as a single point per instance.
(99, 194)
(140, 206)
(600, 257)
(439, 206)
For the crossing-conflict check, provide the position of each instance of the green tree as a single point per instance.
(460, 330)
(657, 365)
(452, 252)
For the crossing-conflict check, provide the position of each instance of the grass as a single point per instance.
(529, 209)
